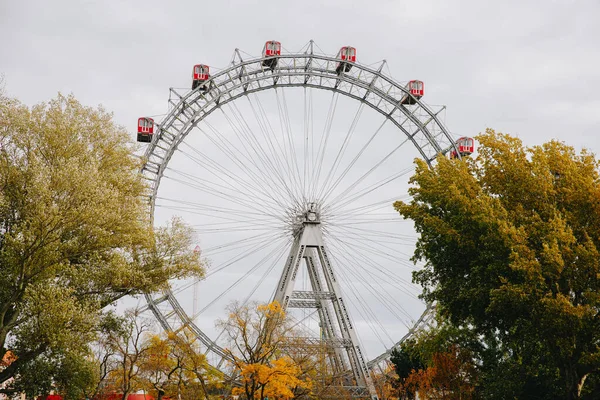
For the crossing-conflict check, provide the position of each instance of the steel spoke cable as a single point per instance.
(260, 281)
(244, 202)
(354, 184)
(221, 170)
(255, 143)
(342, 150)
(274, 191)
(212, 208)
(353, 270)
(224, 196)
(227, 263)
(287, 151)
(363, 209)
(375, 233)
(290, 137)
(354, 160)
(270, 134)
(280, 147)
(276, 162)
(405, 286)
(232, 190)
(365, 312)
(243, 277)
(231, 223)
(226, 148)
(234, 154)
(368, 316)
(323, 142)
(374, 244)
(230, 245)
(368, 190)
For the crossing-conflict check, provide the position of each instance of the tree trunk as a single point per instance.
(161, 394)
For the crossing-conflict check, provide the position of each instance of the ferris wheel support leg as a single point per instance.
(308, 242)
(327, 326)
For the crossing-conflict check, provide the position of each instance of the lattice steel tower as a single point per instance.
(337, 330)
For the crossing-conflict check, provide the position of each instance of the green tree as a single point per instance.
(510, 239)
(74, 231)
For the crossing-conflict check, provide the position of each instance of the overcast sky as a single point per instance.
(527, 68)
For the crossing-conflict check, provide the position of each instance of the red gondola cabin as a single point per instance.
(416, 89)
(466, 146)
(272, 49)
(347, 56)
(145, 130)
(200, 75)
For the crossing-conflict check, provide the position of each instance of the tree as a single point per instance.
(74, 232)
(257, 334)
(132, 348)
(510, 239)
(174, 362)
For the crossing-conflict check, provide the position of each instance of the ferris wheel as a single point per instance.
(287, 165)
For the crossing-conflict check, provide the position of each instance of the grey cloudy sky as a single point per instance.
(527, 68)
(530, 68)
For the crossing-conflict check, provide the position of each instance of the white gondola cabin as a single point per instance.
(271, 50)
(466, 146)
(145, 129)
(200, 74)
(416, 90)
(347, 57)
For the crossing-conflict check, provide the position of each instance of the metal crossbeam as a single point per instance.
(296, 294)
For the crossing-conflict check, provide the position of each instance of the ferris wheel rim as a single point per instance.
(155, 163)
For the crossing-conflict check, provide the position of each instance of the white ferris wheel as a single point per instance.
(287, 165)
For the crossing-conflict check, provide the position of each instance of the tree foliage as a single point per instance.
(511, 239)
(74, 232)
(258, 336)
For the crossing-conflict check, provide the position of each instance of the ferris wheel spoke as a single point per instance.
(237, 244)
(224, 196)
(378, 246)
(323, 144)
(365, 312)
(243, 277)
(248, 133)
(275, 262)
(344, 201)
(352, 186)
(226, 190)
(228, 263)
(387, 273)
(374, 233)
(284, 120)
(282, 166)
(214, 210)
(363, 209)
(353, 268)
(377, 286)
(218, 169)
(354, 160)
(342, 150)
(217, 172)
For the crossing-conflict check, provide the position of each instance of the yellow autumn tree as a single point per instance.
(257, 336)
